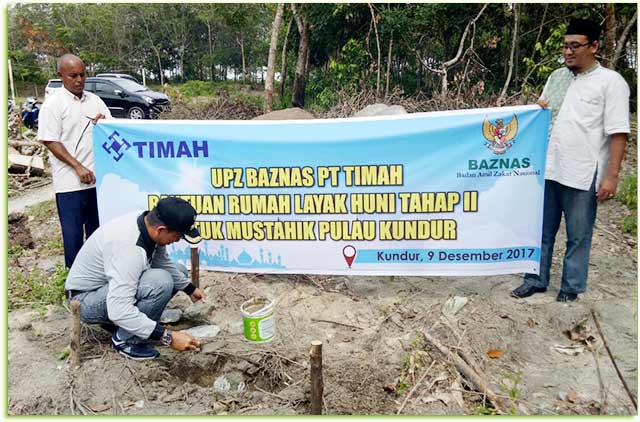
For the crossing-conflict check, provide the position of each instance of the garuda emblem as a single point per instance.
(500, 137)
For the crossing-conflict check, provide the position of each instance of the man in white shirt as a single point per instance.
(589, 127)
(66, 128)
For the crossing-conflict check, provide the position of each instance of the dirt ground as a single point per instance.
(375, 359)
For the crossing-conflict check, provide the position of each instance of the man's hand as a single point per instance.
(182, 341)
(607, 188)
(85, 175)
(542, 103)
(98, 117)
(198, 295)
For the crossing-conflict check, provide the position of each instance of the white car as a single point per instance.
(52, 86)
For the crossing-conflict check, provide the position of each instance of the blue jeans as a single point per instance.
(155, 289)
(78, 212)
(579, 208)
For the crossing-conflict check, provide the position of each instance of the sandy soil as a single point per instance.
(375, 359)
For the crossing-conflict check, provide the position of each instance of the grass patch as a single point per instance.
(15, 251)
(55, 246)
(36, 289)
(44, 210)
(628, 195)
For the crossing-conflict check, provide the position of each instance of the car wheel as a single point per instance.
(136, 113)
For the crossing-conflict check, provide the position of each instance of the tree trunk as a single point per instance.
(375, 27)
(300, 80)
(610, 35)
(211, 66)
(388, 75)
(271, 62)
(240, 41)
(283, 65)
(514, 41)
(155, 50)
(622, 41)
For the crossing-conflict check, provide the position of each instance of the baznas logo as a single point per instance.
(500, 137)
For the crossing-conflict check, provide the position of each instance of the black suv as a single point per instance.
(126, 98)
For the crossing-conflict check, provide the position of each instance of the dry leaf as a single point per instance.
(99, 407)
(531, 323)
(495, 353)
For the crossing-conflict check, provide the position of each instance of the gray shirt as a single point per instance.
(117, 254)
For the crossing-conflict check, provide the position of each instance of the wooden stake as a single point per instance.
(317, 385)
(195, 266)
(75, 334)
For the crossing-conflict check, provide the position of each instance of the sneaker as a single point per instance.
(566, 297)
(527, 290)
(133, 351)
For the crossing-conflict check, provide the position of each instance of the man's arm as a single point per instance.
(609, 183)
(60, 152)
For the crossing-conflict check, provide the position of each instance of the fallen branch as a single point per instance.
(336, 322)
(406, 399)
(615, 365)
(476, 381)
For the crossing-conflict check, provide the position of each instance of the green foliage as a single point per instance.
(630, 225)
(484, 410)
(628, 192)
(192, 89)
(547, 59)
(511, 384)
(64, 353)
(55, 245)
(214, 41)
(37, 289)
(628, 195)
(248, 99)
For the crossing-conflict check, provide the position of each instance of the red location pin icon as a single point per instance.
(349, 253)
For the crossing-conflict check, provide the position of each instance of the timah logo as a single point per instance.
(500, 137)
(156, 149)
(118, 146)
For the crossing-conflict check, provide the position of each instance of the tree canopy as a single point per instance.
(430, 48)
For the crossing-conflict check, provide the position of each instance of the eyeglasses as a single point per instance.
(574, 46)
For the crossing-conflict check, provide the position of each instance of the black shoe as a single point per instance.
(527, 290)
(133, 351)
(566, 297)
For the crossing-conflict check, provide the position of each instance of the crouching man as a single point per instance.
(124, 278)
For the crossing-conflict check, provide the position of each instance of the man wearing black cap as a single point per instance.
(589, 127)
(124, 278)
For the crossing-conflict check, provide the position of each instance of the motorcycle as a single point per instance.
(30, 111)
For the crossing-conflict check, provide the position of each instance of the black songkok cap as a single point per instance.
(588, 28)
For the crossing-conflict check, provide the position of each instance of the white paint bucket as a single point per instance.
(259, 320)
